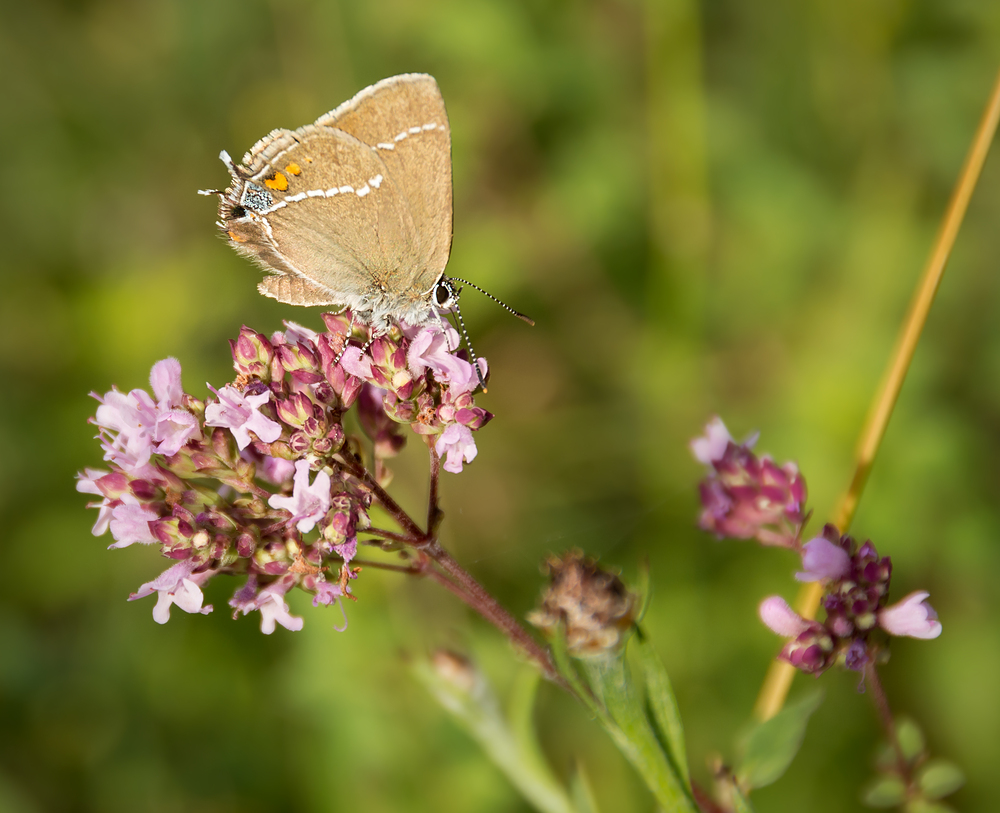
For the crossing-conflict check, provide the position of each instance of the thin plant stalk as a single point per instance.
(454, 577)
(779, 677)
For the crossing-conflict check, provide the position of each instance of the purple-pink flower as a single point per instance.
(130, 523)
(271, 603)
(274, 610)
(127, 428)
(712, 446)
(434, 347)
(240, 414)
(134, 427)
(177, 483)
(455, 445)
(295, 333)
(87, 484)
(746, 497)
(911, 616)
(308, 503)
(176, 585)
(823, 560)
(782, 619)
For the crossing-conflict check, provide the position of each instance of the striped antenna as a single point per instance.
(468, 342)
(503, 305)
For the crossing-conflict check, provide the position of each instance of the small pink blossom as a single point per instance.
(175, 426)
(822, 560)
(712, 446)
(326, 593)
(308, 503)
(355, 363)
(165, 379)
(274, 610)
(87, 484)
(455, 445)
(130, 523)
(128, 428)
(276, 470)
(295, 333)
(782, 619)
(240, 414)
(911, 616)
(270, 601)
(134, 427)
(176, 585)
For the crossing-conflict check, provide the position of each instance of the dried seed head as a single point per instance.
(593, 603)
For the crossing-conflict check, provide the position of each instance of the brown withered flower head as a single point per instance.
(595, 606)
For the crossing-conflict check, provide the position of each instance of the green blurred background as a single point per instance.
(717, 207)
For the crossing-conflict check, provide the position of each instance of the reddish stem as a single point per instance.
(479, 599)
(434, 512)
(391, 535)
(885, 717)
(461, 583)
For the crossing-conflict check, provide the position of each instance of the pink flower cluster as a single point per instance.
(745, 496)
(856, 582)
(234, 485)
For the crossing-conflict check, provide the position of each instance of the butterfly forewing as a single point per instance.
(404, 119)
(344, 224)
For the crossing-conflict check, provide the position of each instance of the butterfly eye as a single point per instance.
(444, 294)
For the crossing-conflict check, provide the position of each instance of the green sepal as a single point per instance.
(770, 746)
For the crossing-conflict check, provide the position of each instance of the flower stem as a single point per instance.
(457, 580)
(477, 597)
(434, 512)
(779, 676)
(382, 496)
(885, 717)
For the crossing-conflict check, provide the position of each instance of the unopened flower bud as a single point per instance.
(246, 544)
(295, 410)
(252, 354)
(456, 670)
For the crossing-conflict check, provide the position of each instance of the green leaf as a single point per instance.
(911, 743)
(567, 669)
(581, 792)
(644, 590)
(771, 746)
(911, 738)
(521, 710)
(663, 706)
(886, 791)
(609, 676)
(475, 708)
(741, 804)
(938, 778)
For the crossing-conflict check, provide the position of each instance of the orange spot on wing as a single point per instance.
(293, 169)
(235, 237)
(278, 182)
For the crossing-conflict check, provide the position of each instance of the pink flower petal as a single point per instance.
(911, 616)
(782, 619)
